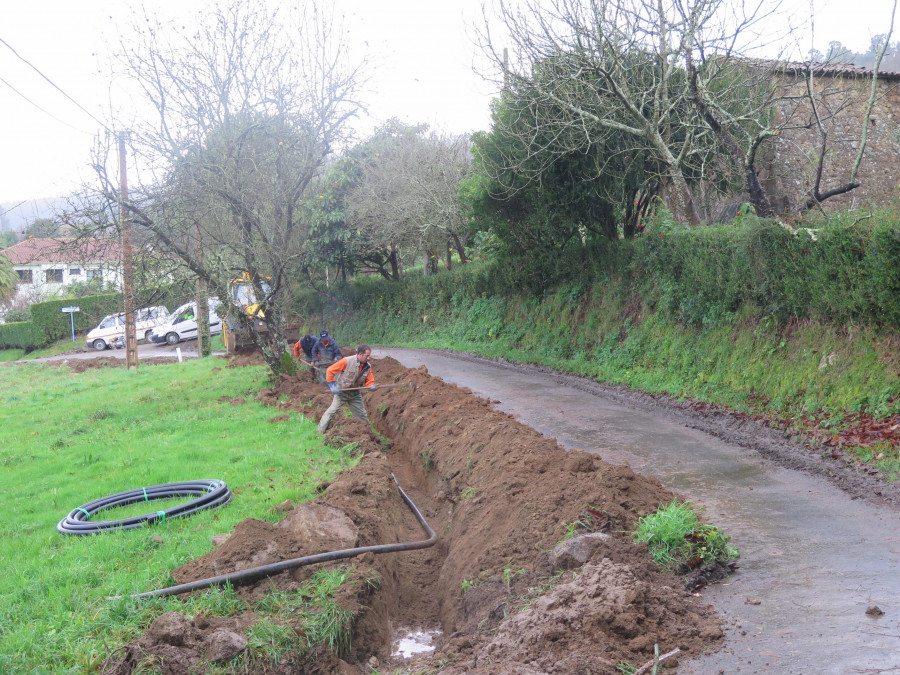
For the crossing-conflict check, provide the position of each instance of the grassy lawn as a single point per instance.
(67, 439)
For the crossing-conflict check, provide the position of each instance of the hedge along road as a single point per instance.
(813, 559)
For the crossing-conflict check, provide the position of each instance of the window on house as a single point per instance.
(74, 271)
(92, 274)
(24, 276)
(54, 276)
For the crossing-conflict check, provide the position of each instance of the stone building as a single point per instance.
(787, 167)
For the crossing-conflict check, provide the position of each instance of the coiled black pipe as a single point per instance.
(254, 573)
(210, 494)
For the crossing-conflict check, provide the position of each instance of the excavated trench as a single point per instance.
(497, 596)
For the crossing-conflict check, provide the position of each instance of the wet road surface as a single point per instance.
(812, 559)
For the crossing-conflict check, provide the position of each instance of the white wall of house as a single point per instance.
(41, 281)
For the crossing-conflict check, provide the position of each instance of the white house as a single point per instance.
(47, 266)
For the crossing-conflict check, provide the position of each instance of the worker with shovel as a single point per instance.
(305, 345)
(346, 378)
(324, 352)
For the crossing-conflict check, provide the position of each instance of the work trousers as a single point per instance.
(351, 398)
(321, 372)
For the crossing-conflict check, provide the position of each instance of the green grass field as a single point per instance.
(68, 438)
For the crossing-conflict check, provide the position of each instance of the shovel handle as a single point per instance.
(380, 386)
(315, 365)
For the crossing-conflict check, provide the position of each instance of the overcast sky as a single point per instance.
(421, 49)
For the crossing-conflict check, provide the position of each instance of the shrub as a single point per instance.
(18, 335)
(678, 542)
(17, 315)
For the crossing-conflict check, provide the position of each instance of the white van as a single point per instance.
(113, 326)
(182, 324)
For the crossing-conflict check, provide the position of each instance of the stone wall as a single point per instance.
(789, 163)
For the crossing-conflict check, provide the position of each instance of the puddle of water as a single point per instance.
(410, 642)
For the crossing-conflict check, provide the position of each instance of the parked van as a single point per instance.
(182, 324)
(113, 326)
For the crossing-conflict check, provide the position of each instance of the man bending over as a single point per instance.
(351, 372)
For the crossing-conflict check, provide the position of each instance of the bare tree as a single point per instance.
(247, 107)
(787, 97)
(406, 194)
(676, 81)
(614, 68)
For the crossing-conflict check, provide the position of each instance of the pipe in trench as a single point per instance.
(254, 573)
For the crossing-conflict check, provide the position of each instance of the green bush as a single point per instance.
(18, 335)
(51, 323)
(883, 279)
(701, 277)
(837, 273)
(15, 315)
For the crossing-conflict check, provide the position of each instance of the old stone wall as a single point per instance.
(789, 167)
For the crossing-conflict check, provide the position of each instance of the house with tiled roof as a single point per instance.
(46, 267)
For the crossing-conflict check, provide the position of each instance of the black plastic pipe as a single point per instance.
(254, 573)
(209, 493)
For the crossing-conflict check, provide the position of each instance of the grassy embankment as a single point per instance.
(67, 439)
(810, 375)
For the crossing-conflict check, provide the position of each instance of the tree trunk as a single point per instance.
(395, 264)
(461, 248)
(204, 346)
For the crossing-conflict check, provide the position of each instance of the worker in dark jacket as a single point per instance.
(324, 352)
(345, 378)
(325, 349)
(305, 345)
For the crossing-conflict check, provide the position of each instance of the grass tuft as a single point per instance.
(679, 542)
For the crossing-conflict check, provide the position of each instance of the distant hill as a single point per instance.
(17, 216)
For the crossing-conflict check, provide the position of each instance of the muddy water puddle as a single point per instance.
(812, 559)
(409, 642)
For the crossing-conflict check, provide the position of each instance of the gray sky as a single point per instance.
(421, 49)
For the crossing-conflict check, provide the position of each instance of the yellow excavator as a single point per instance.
(236, 335)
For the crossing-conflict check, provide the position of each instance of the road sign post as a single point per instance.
(71, 312)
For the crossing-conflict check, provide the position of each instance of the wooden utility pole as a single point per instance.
(204, 346)
(131, 359)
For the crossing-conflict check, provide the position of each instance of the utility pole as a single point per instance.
(131, 360)
(204, 346)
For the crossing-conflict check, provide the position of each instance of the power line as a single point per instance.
(13, 208)
(53, 84)
(49, 114)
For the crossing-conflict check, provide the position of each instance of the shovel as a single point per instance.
(412, 385)
(315, 365)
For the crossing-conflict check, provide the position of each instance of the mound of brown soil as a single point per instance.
(501, 497)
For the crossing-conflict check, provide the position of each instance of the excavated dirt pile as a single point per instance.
(507, 586)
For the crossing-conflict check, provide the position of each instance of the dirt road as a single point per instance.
(146, 351)
(814, 558)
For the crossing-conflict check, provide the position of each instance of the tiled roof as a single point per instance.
(64, 251)
(825, 69)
